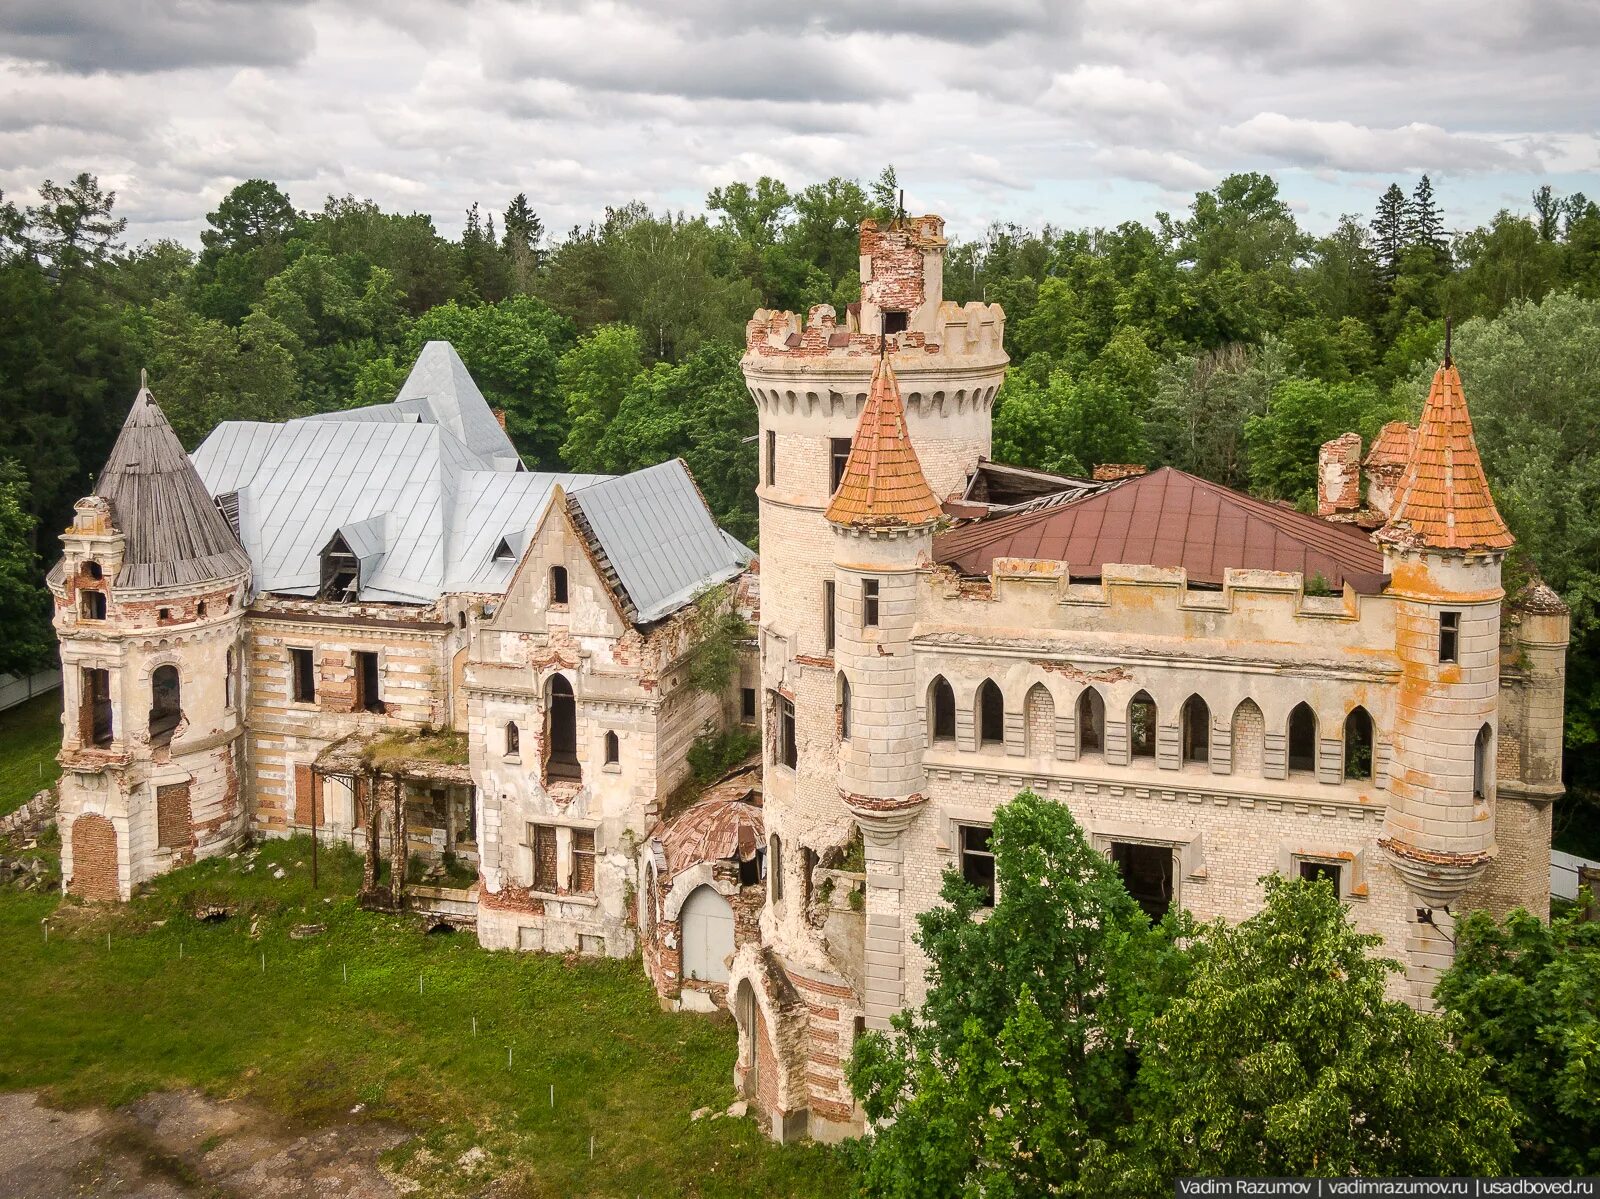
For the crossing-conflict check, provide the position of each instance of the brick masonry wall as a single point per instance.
(94, 858)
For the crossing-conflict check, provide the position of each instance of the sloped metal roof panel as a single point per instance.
(660, 537)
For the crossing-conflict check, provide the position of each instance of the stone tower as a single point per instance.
(1443, 546)
(942, 363)
(149, 608)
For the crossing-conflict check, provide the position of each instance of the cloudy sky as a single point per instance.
(1069, 111)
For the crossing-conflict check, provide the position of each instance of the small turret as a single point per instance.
(150, 598)
(1443, 545)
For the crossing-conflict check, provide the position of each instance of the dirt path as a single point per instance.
(181, 1144)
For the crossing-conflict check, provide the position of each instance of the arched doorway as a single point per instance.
(94, 858)
(706, 927)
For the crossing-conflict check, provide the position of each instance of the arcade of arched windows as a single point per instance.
(1105, 723)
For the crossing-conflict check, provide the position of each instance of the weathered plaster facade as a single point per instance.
(1221, 732)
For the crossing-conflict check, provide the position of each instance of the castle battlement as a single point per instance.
(973, 330)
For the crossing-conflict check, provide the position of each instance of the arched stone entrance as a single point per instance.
(707, 930)
(94, 858)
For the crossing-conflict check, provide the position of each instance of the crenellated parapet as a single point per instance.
(971, 330)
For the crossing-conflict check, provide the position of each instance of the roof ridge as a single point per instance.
(1442, 500)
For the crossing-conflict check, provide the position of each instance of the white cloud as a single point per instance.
(1345, 146)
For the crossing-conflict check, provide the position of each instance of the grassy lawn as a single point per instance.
(30, 736)
(337, 1020)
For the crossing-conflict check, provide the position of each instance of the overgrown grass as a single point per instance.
(30, 737)
(338, 1020)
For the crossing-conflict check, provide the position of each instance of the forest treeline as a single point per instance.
(1226, 340)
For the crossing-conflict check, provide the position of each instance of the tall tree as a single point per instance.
(1525, 994)
(595, 375)
(29, 642)
(1282, 1056)
(1389, 230)
(1548, 211)
(1424, 220)
(1015, 1074)
(72, 226)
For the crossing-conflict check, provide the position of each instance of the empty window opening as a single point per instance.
(895, 320)
(942, 717)
(750, 869)
(838, 458)
(1449, 636)
(341, 571)
(561, 729)
(991, 714)
(1091, 722)
(1196, 730)
(583, 861)
(1358, 745)
(91, 570)
(772, 457)
(305, 676)
(1480, 763)
(977, 859)
(92, 605)
(787, 749)
(461, 619)
(1302, 739)
(367, 698)
(166, 708)
(1147, 872)
(775, 868)
(747, 705)
(1142, 726)
(829, 626)
(163, 613)
(558, 584)
(200, 609)
(844, 708)
(613, 749)
(1313, 871)
(513, 739)
(95, 707)
(869, 603)
(542, 840)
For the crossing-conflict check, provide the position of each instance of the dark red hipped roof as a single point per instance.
(1170, 518)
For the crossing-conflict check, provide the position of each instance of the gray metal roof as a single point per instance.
(659, 537)
(440, 387)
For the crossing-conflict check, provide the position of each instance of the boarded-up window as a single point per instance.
(542, 837)
(173, 819)
(583, 861)
(308, 797)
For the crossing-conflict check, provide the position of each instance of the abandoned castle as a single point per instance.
(377, 626)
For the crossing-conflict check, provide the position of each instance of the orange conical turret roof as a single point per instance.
(1442, 500)
(883, 485)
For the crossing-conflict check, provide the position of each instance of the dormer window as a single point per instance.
(503, 552)
(341, 571)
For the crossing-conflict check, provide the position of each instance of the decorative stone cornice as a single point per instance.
(1438, 876)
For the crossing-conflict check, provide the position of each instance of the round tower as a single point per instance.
(1443, 547)
(149, 597)
(810, 381)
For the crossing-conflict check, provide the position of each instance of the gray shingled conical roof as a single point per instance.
(174, 534)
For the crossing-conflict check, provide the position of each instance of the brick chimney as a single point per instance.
(1112, 472)
(500, 416)
(1339, 475)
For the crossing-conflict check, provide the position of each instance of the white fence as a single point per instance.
(1564, 873)
(19, 688)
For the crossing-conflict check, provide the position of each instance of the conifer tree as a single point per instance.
(1424, 221)
(1389, 230)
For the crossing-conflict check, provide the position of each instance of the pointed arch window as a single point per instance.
(991, 714)
(1302, 740)
(166, 704)
(1196, 730)
(941, 710)
(844, 707)
(613, 748)
(561, 729)
(1142, 726)
(1039, 720)
(513, 739)
(1358, 761)
(1481, 762)
(1091, 722)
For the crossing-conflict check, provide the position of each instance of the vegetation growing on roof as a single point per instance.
(394, 752)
